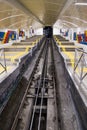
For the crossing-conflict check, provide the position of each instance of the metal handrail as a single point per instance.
(81, 50)
(4, 59)
(80, 60)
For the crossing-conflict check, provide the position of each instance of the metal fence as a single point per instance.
(2, 60)
(80, 64)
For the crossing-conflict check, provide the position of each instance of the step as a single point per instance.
(67, 43)
(22, 44)
(68, 49)
(14, 49)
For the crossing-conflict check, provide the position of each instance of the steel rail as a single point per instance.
(41, 77)
(42, 90)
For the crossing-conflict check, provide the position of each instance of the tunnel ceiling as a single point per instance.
(38, 13)
(45, 10)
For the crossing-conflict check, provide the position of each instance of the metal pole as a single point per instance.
(75, 61)
(4, 60)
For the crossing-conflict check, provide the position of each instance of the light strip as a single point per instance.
(81, 4)
(75, 25)
(8, 10)
(65, 24)
(71, 17)
(17, 23)
(12, 16)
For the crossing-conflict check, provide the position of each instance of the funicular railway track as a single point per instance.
(44, 103)
(35, 109)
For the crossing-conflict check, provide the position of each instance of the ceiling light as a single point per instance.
(76, 3)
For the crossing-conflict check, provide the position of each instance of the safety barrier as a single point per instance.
(2, 54)
(80, 63)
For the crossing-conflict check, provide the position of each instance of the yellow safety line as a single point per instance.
(19, 54)
(70, 55)
(27, 49)
(68, 46)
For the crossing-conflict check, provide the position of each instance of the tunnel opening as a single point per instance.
(48, 31)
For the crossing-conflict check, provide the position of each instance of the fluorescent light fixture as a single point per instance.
(76, 3)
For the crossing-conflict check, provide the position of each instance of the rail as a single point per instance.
(42, 91)
(80, 63)
(42, 79)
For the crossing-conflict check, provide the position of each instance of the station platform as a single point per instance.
(75, 64)
(13, 55)
(14, 60)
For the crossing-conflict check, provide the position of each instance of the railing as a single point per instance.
(3, 62)
(80, 63)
